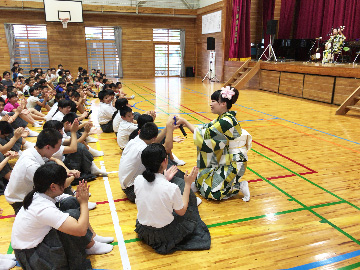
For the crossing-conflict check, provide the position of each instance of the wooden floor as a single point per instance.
(303, 173)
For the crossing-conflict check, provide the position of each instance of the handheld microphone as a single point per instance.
(183, 130)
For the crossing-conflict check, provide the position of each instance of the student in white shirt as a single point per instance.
(46, 237)
(106, 111)
(54, 108)
(34, 100)
(64, 107)
(157, 199)
(120, 104)
(126, 126)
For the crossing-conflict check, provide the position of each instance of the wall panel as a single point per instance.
(291, 84)
(318, 88)
(344, 87)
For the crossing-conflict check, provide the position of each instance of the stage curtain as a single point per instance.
(286, 18)
(268, 14)
(316, 18)
(240, 30)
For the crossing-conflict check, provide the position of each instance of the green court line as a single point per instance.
(309, 209)
(311, 182)
(165, 102)
(349, 267)
(10, 249)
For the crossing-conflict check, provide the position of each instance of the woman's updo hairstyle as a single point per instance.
(218, 96)
(44, 176)
(152, 157)
(120, 104)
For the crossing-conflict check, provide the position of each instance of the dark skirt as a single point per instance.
(3, 172)
(18, 122)
(187, 232)
(130, 194)
(16, 147)
(108, 127)
(81, 160)
(58, 250)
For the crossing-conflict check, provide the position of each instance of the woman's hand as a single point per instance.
(170, 173)
(178, 139)
(189, 178)
(82, 192)
(74, 173)
(18, 132)
(11, 154)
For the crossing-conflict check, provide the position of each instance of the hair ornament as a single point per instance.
(226, 92)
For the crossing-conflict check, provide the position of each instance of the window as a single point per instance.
(101, 50)
(167, 52)
(31, 47)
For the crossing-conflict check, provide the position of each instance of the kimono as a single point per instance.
(221, 156)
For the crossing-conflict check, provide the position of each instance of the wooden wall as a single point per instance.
(68, 46)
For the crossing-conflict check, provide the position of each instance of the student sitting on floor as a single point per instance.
(126, 127)
(7, 261)
(157, 199)
(34, 102)
(120, 104)
(5, 171)
(106, 111)
(54, 108)
(46, 237)
(12, 140)
(77, 156)
(64, 107)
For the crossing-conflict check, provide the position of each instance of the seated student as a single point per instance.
(46, 237)
(21, 179)
(130, 162)
(14, 120)
(54, 108)
(5, 171)
(34, 101)
(12, 140)
(126, 127)
(64, 107)
(83, 136)
(122, 93)
(106, 111)
(119, 104)
(157, 199)
(77, 156)
(6, 79)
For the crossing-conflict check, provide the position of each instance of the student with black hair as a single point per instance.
(142, 120)
(6, 79)
(168, 219)
(64, 107)
(120, 104)
(74, 153)
(35, 102)
(54, 108)
(106, 111)
(12, 140)
(126, 127)
(47, 237)
(221, 150)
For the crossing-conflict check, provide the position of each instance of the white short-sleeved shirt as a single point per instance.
(116, 122)
(32, 225)
(60, 153)
(130, 163)
(26, 88)
(124, 131)
(58, 116)
(21, 178)
(32, 102)
(105, 113)
(50, 114)
(156, 200)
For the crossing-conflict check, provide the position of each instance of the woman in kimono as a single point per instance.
(221, 150)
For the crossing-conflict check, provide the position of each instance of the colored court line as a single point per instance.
(335, 259)
(349, 267)
(254, 217)
(9, 216)
(249, 108)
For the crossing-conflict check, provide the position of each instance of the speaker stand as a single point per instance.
(208, 76)
(271, 51)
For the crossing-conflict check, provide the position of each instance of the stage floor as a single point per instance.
(303, 173)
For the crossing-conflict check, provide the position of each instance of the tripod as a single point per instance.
(271, 51)
(209, 75)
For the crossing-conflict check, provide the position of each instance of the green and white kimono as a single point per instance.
(220, 160)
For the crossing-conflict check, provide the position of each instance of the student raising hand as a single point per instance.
(170, 173)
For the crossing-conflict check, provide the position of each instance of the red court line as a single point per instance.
(118, 200)
(9, 216)
(281, 176)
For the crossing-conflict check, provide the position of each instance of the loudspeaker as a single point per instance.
(210, 43)
(271, 27)
(190, 72)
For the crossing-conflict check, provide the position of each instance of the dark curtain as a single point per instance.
(286, 18)
(316, 18)
(268, 14)
(240, 30)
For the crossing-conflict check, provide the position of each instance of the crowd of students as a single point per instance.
(51, 216)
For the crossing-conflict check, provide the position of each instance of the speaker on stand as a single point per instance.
(210, 45)
(271, 28)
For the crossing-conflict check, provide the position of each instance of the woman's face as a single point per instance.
(217, 107)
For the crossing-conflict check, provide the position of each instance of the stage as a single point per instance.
(330, 83)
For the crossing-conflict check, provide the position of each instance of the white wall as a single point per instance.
(204, 3)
